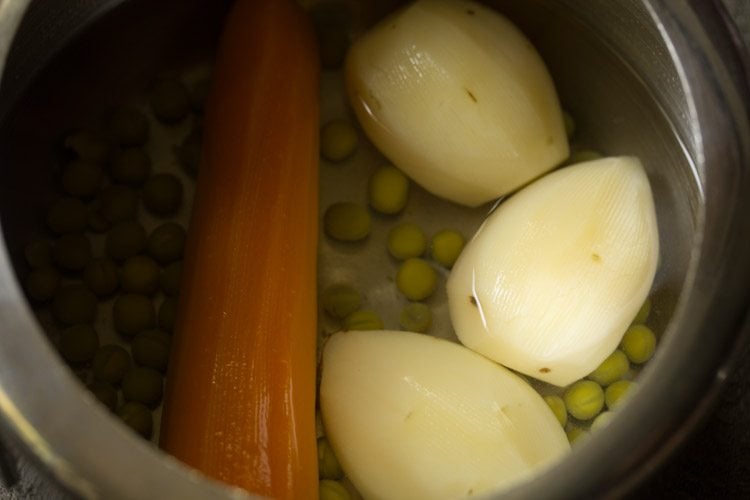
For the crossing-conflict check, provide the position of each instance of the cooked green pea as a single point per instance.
(117, 204)
(151, 349)
(74, 304)
(363, 320)
(89, 146)
(110, 363)
(67, 215)
(583, 155)
(72, 252)
(570, 124)
(100, 276)
(611, 369)
(416, 279)
(584, 399)
(415, 317)
(338, 140)
(328, 464)
(167, 242)
(131, 166)
(557, 405)
(139, 274)
(170, 278)
(340, 300)
(347, 221)
(388, 190)
(188, 152)
(329, 489)
(162, 194)
(167, 314)
(142, 384)
(78, 343)
(42, 283)
(638, 343)
(643, 313)
(170, 100)
(575, 434)
(104, 392)
(406, 240)
(602, 420)
(126, 239)
(446, 246)
(38, 253)
(82, 178)
(617, 392)
(129, 126)
(138, 417)
(133, 313)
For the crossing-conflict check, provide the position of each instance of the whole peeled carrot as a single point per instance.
(240, 395)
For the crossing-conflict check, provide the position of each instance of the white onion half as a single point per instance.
(413, 416)
(555, 275)
(458, 98)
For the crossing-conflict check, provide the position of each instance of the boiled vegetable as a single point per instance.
(240, 400)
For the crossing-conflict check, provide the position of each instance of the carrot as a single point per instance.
(240, 395)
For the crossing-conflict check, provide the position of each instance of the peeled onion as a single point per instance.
(458, 98)
(553, 278)
(413, 416)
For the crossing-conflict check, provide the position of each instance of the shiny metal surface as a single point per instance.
(657, 79)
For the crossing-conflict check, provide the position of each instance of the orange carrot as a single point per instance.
(240, 398)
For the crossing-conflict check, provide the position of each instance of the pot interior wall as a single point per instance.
(616, 110)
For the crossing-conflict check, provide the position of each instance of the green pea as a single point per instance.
(643, 313)
(611, 369)
(38, 254)
(167, 314)
(162, 194)
(345, 221)
(104, 392)
(575, 434)
(139, 274)
(170, 278)
(328, 464)
(338, 140)
(188, 152)
(74, 304)
(133, 313)
(131, 166)
(406, 240)
(126, 239)
(151, 349)
(117, 204)
(100, 276)
(570, 124)
(617, 392)
(388, 190)
(602, 420)
(129, 126)
(446, 246)
(583, 155)
(363, 320)
(110, 363)
(170, 100)
(557, 405)
(142, 384)
(72, 252)
(329, 489)
(340, 300)
(166, 243)
(584, 399)
(89, 146)
(43, 283)
(67, 215)
(415, 317)
(78, 343)
(138, 417)
(416, 279)
(638, 343)
(82, 178)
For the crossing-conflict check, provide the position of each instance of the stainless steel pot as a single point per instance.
(659, 79)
